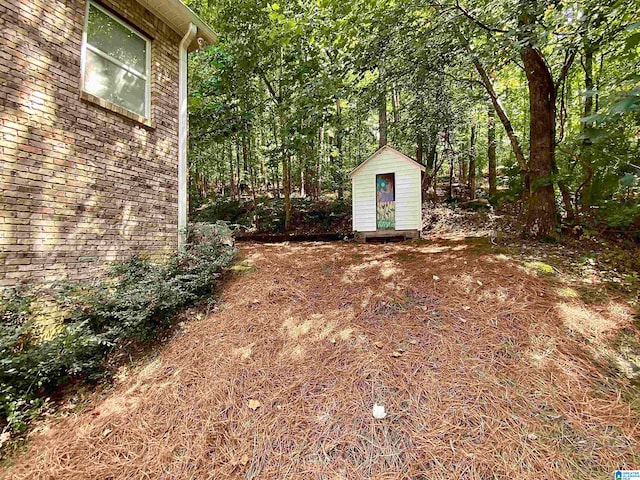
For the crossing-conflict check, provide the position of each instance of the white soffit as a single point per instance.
(178, 16)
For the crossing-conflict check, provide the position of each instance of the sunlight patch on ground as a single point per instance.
(150, 369)
(119, 405)
(254, 256)
(352, 272)
(538, 268)
(345, 334)
(388, 269)
(621, 358)
(326, 331)
(296, 330)
(541, 350)
(433, 249)
(578, 318)
(465, 281)
(298, 352)
(501, 294)
(567, 292)
(243, 352)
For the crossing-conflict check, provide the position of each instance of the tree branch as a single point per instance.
(466, 13)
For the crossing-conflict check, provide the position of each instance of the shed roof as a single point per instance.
(178, 16)
(393, 150)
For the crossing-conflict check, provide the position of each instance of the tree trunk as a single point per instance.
(462, 172)
(451, 161)
(286, 180)
(238, 177)
(436, 169)
(472, 162)
(245, 165)
(588, 85)
(263, 170)
(566, 199)
(491, 149)
(338, 162)
(585, 187)
(382, 117)
(419, 149)
(502, 114)
(232, 186)
(541, 213)
(431, 155)
(396, 105)
(319, 162)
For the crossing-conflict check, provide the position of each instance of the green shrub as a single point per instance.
(620, 215)
(135, 299)
(267, 215)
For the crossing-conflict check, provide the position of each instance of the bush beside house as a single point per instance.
(134, 300)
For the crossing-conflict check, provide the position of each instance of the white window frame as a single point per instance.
(118, 63)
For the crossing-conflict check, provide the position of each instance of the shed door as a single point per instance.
(386, 201)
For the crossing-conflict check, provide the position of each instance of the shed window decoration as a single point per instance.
(116, 61)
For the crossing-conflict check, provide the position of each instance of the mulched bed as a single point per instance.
(484, 368)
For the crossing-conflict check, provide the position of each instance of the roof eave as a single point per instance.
(422, 167)
(178, 17)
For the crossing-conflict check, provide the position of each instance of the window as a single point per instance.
(116, 61)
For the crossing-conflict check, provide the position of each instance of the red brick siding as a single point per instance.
(81, 185)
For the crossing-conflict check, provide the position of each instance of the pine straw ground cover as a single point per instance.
(485, 369)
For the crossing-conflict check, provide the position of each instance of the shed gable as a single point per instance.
(387, 153)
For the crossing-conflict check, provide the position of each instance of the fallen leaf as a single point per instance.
(436, 278)
(479, 282)
(466, 307)
(4, 438)
(244, 459)
(106, 432)
(254, 404)
(378, 344)
(396, 353)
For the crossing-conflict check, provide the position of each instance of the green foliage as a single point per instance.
(135, 299)
(621, 216)
(267, 215)
(303, 84)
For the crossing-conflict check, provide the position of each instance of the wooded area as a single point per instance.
(521, 99)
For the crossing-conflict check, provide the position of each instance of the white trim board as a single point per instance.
(393, 150)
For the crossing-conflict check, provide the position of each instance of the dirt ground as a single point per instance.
(487, 368)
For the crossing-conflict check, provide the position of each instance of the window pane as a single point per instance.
(110, 36)
(110, 82)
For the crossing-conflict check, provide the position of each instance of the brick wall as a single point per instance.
(81, 185)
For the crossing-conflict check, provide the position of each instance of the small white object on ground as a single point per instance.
(378, 411)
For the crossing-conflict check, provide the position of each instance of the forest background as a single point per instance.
(521, 101)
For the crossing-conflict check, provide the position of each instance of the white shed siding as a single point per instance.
(407, 187)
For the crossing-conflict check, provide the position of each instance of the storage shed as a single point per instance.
(386, 195)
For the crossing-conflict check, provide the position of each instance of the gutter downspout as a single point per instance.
(183, 136)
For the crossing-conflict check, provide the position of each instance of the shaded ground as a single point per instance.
(487, 369)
